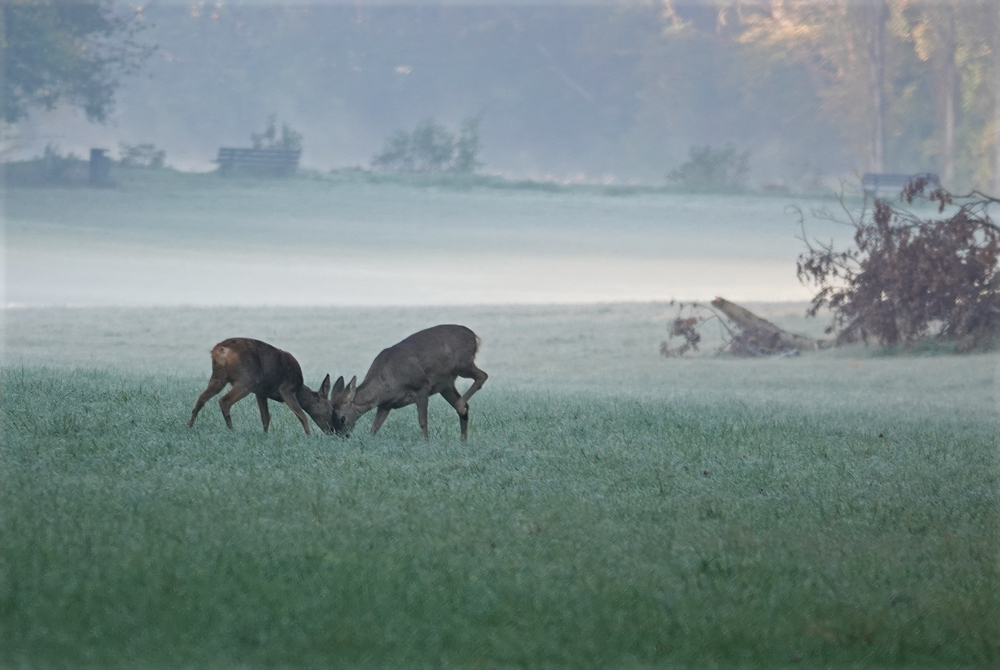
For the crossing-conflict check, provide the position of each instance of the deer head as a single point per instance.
(343, 412)
(317, 404)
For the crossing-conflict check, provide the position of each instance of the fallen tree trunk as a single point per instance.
(760, 335)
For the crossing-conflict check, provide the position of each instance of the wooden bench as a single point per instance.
(872, 183)
(275, 162)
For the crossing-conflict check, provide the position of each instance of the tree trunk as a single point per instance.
(764, 332)
(3, 71)
(876, 49)
(948, 78)
(996, 97)
(3, 105)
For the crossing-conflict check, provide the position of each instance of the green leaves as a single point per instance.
(66, 52)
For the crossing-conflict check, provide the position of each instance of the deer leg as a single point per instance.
(265, 415)
(380, 416)
(215, 385)
(226, 402)
(479, 378)
(422, 398)
(293, 404)
(452, 396)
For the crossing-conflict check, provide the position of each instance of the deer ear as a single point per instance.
(338, 387)
(324, 389)
(352, 388)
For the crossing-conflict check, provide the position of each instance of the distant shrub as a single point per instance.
(712, 169)
(141, 155)
(61, 169)
(432, 148)
(51, 168)
(270, 139)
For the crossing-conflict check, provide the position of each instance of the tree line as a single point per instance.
(881, 85)
(907, 82)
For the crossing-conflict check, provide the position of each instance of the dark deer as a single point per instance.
(252, 366)
(410, 372)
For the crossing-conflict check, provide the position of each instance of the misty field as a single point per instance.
(164, 238)
(611, 508)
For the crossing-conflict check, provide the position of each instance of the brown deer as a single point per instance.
(410, 372)
(252, 366)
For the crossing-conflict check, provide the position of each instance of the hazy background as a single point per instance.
(592, 93)
(588, 90)
(189, 241)
(613, 506)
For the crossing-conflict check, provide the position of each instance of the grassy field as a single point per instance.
(611, 508)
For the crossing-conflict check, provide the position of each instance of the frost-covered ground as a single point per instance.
(608, 349)
(612, 508)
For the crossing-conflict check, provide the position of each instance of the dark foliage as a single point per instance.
(686, 328)
(71, 52)
(907, 279)
(52, 168)
(141, 155)
(287, 140)
(432, 148)
(712, 169)
(466, 155)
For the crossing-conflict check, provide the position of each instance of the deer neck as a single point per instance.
(303, 393)
(369, 395)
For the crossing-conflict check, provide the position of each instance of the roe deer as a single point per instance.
(252, 366)
(410, 372)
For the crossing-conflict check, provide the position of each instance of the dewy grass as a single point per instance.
(571, 530)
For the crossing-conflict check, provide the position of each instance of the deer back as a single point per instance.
(258, 365)
(433, 357)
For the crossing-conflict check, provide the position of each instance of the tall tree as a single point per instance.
(700, 86)
(908, 81)
(844, 46)
(953, 45)
(57, 52)
(932, 31)
(995, 15)
(947, 72)
(876, 63)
